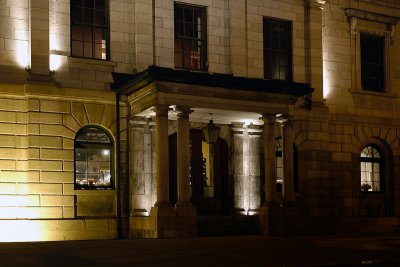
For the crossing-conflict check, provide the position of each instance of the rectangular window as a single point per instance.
(89, 29)
(190, 37)
(277, 49)
(372, 62)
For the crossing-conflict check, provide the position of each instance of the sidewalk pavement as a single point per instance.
(376, 250)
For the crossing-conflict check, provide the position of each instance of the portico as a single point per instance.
(165, 101)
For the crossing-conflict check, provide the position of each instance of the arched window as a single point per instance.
(371, 169)
(93, 159)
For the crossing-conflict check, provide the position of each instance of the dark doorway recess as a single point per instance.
(219, 202)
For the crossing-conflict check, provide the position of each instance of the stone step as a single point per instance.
(227, 225)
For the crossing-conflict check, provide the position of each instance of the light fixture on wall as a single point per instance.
(211, 131)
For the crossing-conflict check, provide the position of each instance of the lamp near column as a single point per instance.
(211, 131)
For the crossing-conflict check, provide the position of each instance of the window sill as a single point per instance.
(92, 61)
(373, 93)
(90, 192)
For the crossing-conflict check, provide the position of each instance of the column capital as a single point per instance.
(254, 130)
(316, 3)
(269, 118)
(161, 110)
(284, 120)
(237, 128)
(183, 112)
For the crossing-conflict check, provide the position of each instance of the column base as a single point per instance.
(165, 222)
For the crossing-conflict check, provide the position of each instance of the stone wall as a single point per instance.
(38, 127)
(14, 40)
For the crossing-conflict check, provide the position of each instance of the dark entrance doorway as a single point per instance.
(209, 197)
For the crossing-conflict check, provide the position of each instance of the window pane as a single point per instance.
(277, 49)
(371, 170)
(77, 3)
(189, 36)
(100, 5)
(89, 3)
(77, 49)
(88, 15)
(85, 14)
(76, 15)
(100, 18)
(372, 62)
(77, 32)
(92, 161)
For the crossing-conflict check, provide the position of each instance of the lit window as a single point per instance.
(89, 29)
(372, 62)
(190, 37)
(371, 168)
(277, 49)
(93, 159)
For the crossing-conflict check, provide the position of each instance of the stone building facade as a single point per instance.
(103, 106)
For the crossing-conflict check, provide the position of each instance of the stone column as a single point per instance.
(288, 182)
(141, 174)
(162, 162)
(39, 37)
(254, 135)
(238, 172)
(183, 157)
(269, 159)
(186, 217)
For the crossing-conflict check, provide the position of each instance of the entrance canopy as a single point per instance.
(208, 93)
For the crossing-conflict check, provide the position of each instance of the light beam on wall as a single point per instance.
(326, 81)
(55, 62)
(22, 53)
(21, 231)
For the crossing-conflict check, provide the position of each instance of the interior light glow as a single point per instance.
(106, 152)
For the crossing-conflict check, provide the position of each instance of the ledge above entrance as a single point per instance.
(158, 85)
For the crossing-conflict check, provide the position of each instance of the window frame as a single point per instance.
(106, 28)
(381, 162)
(267, 23)
(97, 146)
(204, 40)
(364, 22)
(365, 63)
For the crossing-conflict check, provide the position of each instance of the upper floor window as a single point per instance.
(190, 37)
(371, 169)
(372, 62)
(277, 49)
(93, 159)
(89, 29)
